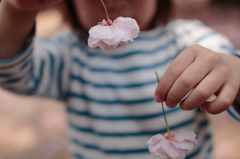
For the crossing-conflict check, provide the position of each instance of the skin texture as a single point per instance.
(205, 72)
(195, 68)
(20, 13)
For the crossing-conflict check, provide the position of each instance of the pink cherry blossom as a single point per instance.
(108, 35)
(174, 147)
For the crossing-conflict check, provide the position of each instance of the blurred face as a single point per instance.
(90, 12)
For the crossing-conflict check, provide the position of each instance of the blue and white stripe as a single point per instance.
(109, 96)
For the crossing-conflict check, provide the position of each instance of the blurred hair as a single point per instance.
(161, 17)
(227, 3)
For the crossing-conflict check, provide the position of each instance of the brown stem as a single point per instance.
(169, 136)
(109, 21)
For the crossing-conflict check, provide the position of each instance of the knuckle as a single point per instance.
(173, 70)
(204, 93)
(171, 98)
(186, 81)
(213, 58)
(224, 70)
(193, 48)
(162, 88)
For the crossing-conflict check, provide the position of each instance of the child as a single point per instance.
(109, 96)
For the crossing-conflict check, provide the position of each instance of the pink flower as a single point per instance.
(108, 35)
(174, 147)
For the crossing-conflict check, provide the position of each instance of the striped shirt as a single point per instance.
(109, 95)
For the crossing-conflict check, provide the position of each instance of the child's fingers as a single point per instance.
(208, 86)
(187, 81)
(223, 101)
(173, 72)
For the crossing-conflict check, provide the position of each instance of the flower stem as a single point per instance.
(169, 132)
(109, 21)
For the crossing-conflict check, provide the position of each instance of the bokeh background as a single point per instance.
(35, 127)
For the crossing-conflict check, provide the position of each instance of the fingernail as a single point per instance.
(158, 99)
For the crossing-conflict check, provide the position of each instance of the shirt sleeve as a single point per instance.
(41, 69)
(233, 113)
(190, 32)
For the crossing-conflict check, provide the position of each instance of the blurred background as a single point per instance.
(35, 128)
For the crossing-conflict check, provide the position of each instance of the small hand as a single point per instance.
(205, 73)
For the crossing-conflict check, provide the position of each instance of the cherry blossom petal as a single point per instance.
(161, 153)
(104, 46)
(165, 143)
(101, 44)
(176, 153)
(109, 36)
(167, 147)
(130, 24)
(185, 145)
(153, 138)
(154, 142)
(93, 41)
(189, 136)
(125, 44)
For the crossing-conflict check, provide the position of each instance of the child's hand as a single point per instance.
(27, 5)
(18, 14)
(205, 72)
